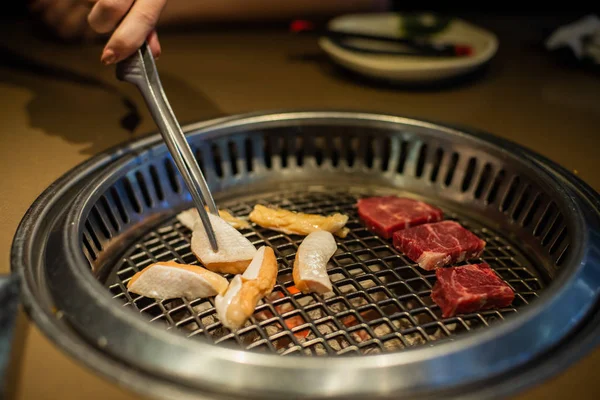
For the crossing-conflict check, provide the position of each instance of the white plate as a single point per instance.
(409, 68)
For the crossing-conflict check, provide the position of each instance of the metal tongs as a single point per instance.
(140, 70)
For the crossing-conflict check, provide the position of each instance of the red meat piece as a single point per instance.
(387, 214)
(438, 244)
(470, 288)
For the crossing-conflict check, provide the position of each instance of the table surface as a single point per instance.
(50, 123)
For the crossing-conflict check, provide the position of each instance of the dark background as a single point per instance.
(560, 13)
(571, 9)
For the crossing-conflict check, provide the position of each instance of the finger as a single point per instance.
(74, 23)
(38, 5)
(54, 13)
(133, 31)
(106, 14)
(154, 44)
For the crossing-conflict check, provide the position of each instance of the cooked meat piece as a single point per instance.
(310, 264)
(190, 217)
(237, 304)
(169, 280)
(235, 250)
(295, 223)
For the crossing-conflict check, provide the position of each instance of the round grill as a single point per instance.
(115, 215)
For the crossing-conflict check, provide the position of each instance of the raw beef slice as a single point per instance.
(438, 244)
(387, 214)
(470, 288)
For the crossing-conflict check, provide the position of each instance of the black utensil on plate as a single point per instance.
(406, 46)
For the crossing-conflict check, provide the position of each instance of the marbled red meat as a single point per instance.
(385, 215)
(438, 244)
(470, 288)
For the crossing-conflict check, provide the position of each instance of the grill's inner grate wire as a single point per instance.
(380, 302)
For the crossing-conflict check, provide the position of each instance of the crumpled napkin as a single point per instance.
(581, 36)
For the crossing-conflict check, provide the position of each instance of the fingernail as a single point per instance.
(108, 57)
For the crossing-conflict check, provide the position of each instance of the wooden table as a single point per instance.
(49, 125)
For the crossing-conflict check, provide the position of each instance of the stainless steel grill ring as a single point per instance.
(379, 335)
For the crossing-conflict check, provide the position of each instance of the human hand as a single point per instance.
(67, 19)
(131, 22)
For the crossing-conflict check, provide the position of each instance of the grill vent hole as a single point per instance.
(386, 153)
(469, 174)
(521, 204)
(160, 195)
(144, 188)
(403, 156)
(299, 151)
(483, 180)
(350, 153)
(108, 212)
(249, 154)
(421, 160)
(556, 225)
(334, 153)
(495, 187)
(135, 204)
(100, 221)
(451, 169)
(217, 159)
(559, 240)
(319, 153)
(437, 162)
(89, 249)
(370, 153)
(199, 159)
(532, 210)
(233, 157)
(284, 151)
(546, 218)
(93, 236)
(268, 151)
(510, 195)
(120, 207)
(563, 256)
(172, 175)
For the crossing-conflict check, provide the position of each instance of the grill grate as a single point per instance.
(380, 302)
